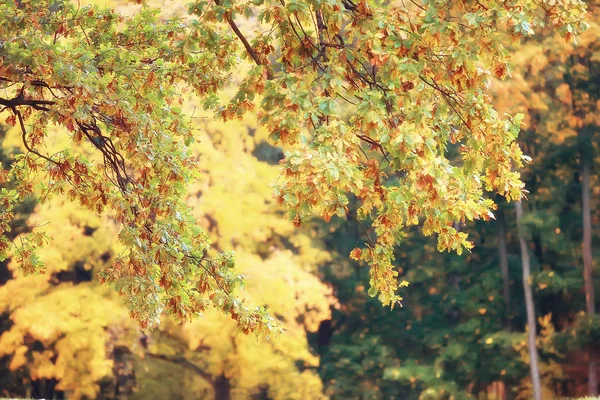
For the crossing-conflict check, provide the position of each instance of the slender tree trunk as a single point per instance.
(588, 264)
(529, 307)
(503, 252)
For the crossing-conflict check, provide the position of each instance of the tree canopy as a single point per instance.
(386, 104)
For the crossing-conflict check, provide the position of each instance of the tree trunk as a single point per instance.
(503, 252)
(588, 264)
(222, 388)
(529, 307)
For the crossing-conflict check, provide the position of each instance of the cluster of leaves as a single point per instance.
(450, 339)
(413, 81)
(361, 91)
(115, 86)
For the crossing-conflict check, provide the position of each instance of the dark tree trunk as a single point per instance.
(529, 307)
(588, 264)
(222, 388)
(49, 388)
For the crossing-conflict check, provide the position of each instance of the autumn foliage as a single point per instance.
(386, 103)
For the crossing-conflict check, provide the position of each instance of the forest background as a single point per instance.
(461, 332)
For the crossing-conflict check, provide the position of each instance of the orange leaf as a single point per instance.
(355, 254)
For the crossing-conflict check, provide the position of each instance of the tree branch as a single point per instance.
(22, 101)
(185, 363)
(245, 42)
(24, 139)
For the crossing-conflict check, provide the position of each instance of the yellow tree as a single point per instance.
(59, 338)
(69, 334)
